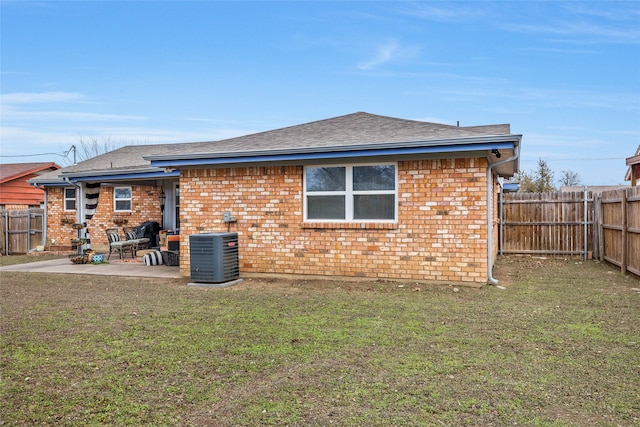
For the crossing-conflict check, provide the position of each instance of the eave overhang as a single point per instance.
(630, 161)
(125, 174)
(458, 145)
(106, 176)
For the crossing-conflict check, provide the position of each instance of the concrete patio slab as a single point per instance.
(64, 266)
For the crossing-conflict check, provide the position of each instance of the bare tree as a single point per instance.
(569, 178)
(92, 147)
(88, 147)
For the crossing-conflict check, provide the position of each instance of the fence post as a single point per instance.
(6, 233)
(598, 244)
(625, 224)
(28, 230)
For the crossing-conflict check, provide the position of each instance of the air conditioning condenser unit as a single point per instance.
(214, 257)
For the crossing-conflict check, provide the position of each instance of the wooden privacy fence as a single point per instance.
(546, 223)
(605, 226)
(619, 228)
(22, 230)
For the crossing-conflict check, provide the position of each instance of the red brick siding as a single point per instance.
(440, 234)
(145, 206)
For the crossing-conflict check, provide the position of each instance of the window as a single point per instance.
(70, 199)
(122, 198)
(350, 193)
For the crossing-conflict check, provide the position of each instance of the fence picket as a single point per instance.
(544, 223)
(554, 224)
(21, 230)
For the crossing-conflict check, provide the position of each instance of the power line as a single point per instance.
(65, 154)
(41, 154)
(585, 159)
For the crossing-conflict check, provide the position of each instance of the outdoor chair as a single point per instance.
(138, 242)
(118, 245)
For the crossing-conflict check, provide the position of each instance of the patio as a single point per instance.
(111, 268)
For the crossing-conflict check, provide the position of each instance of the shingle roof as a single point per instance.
(12, 171)
(357, 129)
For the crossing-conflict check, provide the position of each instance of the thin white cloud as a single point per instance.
(537, 97)
(452, 12)
(41, 97)
(70, 116)
(621, 11)
(389, 52)
(384, 53)
(28, 106)
(581, 31)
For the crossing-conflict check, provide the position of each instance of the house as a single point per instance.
(633, 173)
(15, 191)
(359, 195)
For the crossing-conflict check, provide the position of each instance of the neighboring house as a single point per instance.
(15, 191)
(359, 195)
(633, 173)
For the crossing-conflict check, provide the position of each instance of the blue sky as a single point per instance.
(566, 75)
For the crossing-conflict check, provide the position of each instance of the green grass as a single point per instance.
(559, 347)
(22, 259)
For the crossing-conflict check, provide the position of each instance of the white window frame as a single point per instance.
(65, 199)
(349, 193)
(130, 199)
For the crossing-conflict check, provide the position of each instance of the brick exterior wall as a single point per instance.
(441, 233)
(145, 206)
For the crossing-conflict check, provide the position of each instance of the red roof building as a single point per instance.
(633, 174)
(15, 191)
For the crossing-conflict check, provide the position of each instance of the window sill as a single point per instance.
(352, 225)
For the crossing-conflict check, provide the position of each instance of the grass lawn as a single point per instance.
(560, 346)
(22, 259)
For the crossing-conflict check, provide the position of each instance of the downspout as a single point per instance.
(501, 219)
(516, 153)
(44, 217)
(585, 214)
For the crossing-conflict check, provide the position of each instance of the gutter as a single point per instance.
(516, 154)
(435, 143)
(107, 176)
(334, 153)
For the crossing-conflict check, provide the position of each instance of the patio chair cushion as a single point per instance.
(113, 237)
(133, 238)
(153, 258)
